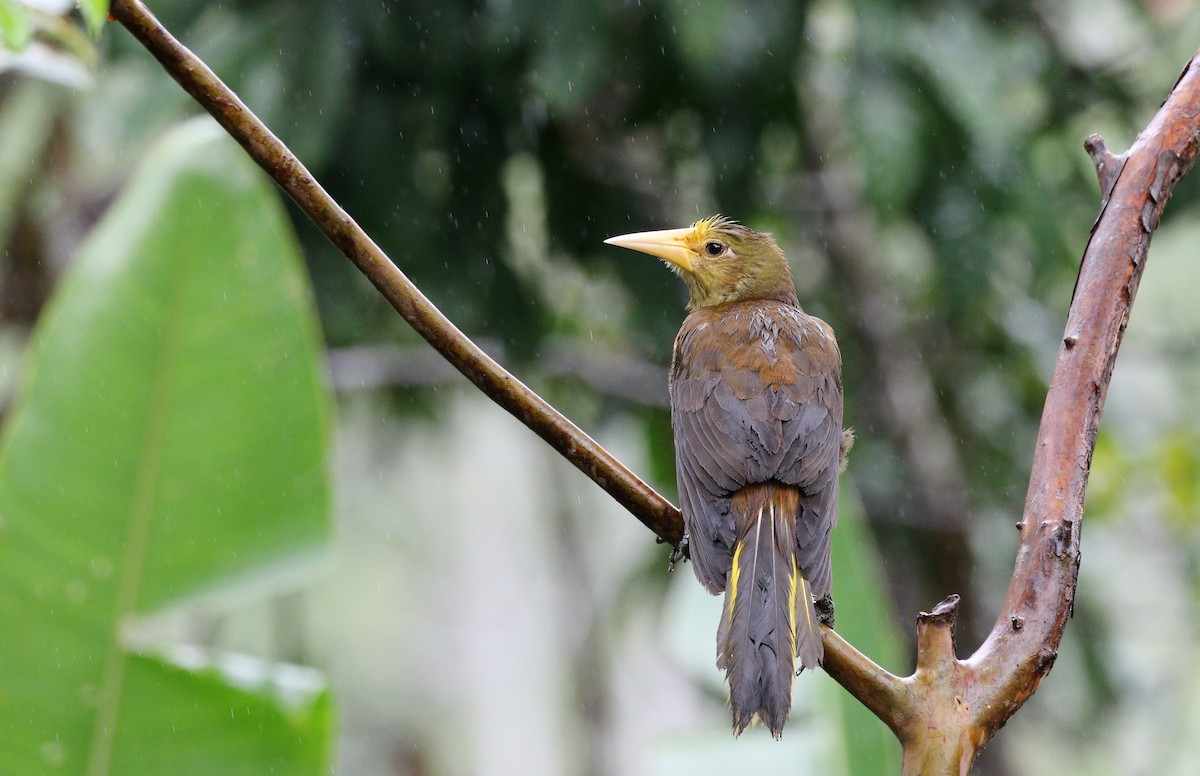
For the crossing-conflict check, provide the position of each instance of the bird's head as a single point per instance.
(720, 260)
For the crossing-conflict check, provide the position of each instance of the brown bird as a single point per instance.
(756, 409)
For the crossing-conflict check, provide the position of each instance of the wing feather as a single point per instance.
(750, 407)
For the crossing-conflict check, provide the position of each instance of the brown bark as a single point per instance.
(948, 708)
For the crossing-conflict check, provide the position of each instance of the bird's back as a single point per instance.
(756, 397)
(757, 413)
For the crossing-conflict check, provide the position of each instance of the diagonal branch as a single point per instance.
(506, 390)
(870, 684)
(1024, 641)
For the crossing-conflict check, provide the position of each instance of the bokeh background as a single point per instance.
(485, 609)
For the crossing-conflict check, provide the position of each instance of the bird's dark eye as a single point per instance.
(714, 248)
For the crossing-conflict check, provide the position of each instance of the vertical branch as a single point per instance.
(1135, 188)
(992, 684)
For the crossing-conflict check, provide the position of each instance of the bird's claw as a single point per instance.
(679, 553)
(824, 606)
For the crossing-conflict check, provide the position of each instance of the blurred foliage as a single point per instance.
(16, 27)
(95, 13)
(490, 147)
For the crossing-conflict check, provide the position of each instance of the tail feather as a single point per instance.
(768, 620)
(809, 647)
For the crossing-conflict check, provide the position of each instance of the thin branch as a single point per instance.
(880, 691)
(866, 681)
(658, 514)
(506, 390)
(1108, 166)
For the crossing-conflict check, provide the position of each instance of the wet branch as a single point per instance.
(506, 390)
(1024, 642)
(948, 708)
(961, 704)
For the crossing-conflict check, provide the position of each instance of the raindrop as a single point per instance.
(102, 568)
(54, 752)
(76, 591)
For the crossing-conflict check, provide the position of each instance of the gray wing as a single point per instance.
(745, 414)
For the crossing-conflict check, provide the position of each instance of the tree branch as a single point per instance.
(506, 390)
(970, 700)
(1042, 590)
(658, 514)
(1024, 641)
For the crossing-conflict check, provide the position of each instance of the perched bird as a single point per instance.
(756, 409)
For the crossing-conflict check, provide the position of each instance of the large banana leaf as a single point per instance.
(170, 440)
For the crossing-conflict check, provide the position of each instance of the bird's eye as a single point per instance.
(714, 248)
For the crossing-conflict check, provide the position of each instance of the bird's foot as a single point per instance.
(679, 553)
(824, 606)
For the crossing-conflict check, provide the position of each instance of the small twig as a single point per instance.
(1108, 166)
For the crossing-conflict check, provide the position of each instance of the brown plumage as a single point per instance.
(756, 408)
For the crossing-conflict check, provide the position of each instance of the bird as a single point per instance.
(756, 412)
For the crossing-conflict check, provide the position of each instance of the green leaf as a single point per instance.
(170, 440)
(95, 14)
(209, 726)
(16, 28)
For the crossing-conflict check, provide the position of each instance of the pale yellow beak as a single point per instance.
(667, 244)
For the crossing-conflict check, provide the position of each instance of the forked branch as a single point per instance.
(960, 704)
(947, 708)
(1135, 188)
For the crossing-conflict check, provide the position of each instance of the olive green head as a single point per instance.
(720, 261)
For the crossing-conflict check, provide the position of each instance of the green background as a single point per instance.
(481, 607)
